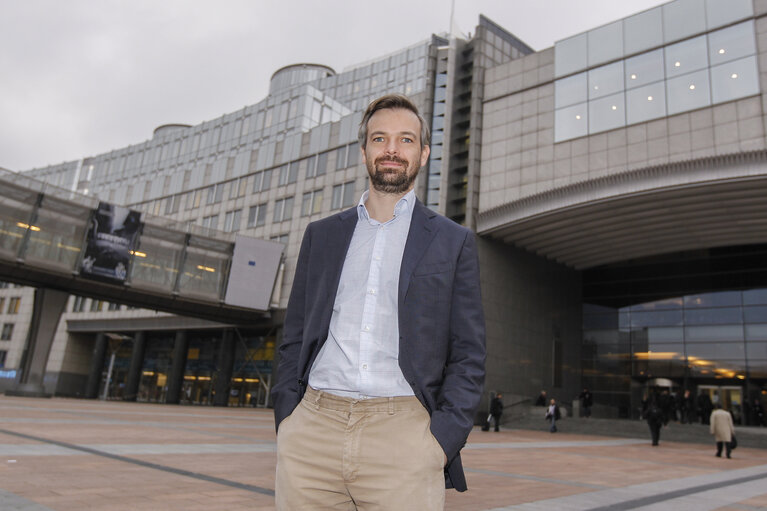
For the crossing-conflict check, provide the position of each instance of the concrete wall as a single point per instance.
(530, 303)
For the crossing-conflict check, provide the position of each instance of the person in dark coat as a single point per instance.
(541, 401)
(655, 417)
(667, 405)
(587, 400)
(496, 409)
(687, 408)
(758, 412)
(704, 407)
(553, 415)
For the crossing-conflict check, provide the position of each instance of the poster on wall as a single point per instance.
(112, 237)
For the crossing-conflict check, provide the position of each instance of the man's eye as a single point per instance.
(377, 139)
(407, 140)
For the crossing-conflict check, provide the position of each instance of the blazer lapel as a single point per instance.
(338, 241)
(418, 239)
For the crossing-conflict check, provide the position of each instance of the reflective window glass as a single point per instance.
(755, 314)
(571, 122)
(607, 113)
(714, 333)
(731, 43)
(723, 12)
(645, 103)
(687, 56)
(714, 316)
(754, 296)
(606, 80)
(683, 18)
(643, 69)
(660, 318)
(756, 332)
(642, 31)
(605, 43)
(570, 90)
(757, 350)
(719, 299)
(593, 337)
(570, 55)
(716, 350)
(736, 79)
(687, 92)
(665, 334)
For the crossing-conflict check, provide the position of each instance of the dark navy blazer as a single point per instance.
(441, 323)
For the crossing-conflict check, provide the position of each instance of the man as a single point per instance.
(722, 428)
(496, 410)
(553, 415)
(586, 402)
(383, 343)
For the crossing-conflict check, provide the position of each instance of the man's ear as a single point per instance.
(425, 155)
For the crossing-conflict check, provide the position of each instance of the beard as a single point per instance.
(392, 180)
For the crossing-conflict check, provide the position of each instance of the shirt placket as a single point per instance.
(368, 329)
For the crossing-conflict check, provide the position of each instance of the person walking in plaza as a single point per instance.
(496, 410)
(541, 399)
(553, 415)
(382, 360)
(653, 414)
(722, 428)
(704, 407)
(586, 402)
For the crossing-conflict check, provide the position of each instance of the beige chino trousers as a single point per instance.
(336, 453)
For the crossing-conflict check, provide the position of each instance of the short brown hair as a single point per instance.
(392, 101)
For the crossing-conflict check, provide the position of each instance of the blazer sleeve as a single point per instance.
(464, 372)
(286, 392)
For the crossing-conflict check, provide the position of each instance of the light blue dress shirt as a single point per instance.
(360, 358)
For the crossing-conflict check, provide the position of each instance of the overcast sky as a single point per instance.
(82, 77)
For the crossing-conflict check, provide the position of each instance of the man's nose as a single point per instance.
(392, 147)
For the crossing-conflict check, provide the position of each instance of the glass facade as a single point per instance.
(688, 72)
(695, 340)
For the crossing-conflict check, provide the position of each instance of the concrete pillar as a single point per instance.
(178, 365)
(97, 366)
(48, 307)
(225, 366)
(136, 363)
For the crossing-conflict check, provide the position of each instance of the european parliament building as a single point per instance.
(616, 183)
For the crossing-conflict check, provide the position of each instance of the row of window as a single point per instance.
(78, 305)
(14, 302)
(7, 332)
(311, 203)
(706, 70)
(312, 166)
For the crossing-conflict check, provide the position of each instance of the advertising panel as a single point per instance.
(112, 237)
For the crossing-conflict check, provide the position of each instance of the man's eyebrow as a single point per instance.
(380, 132)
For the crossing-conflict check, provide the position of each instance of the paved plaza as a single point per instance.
(66, 455)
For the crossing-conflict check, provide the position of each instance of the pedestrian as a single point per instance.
(653, 414)
(496, 410)
(541, 400)
(704, 407)
(553, 415)
(722, 428)
(758, 412)
(687, 408)
(586, 401)
(382, 359)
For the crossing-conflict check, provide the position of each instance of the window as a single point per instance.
(311, 203)
(7, 332)
(2, 303)
(2, 358)
(97, 305)
(283, 209)
(171, 204)
(262, 180)
(311, 167)
(13, 305)
(78, 305)
(341, 158)
(237, 188)
(113, 306)
(210, 222)
(353, 155)
(322, 164)
(343, 195)
(287, 174)
(193, 199)
(257, 215)
(281, 238)
(3, 284)
(232, 220)
(215, 194)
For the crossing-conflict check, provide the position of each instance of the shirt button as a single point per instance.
(367, 328)
(372, 291)
(364, 366)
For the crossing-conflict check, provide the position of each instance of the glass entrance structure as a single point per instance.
(712, 342)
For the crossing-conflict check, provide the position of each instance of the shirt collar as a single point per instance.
(403, 208)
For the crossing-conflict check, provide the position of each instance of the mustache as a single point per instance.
(391, 159)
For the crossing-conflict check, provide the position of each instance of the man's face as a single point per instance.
(393, 154)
